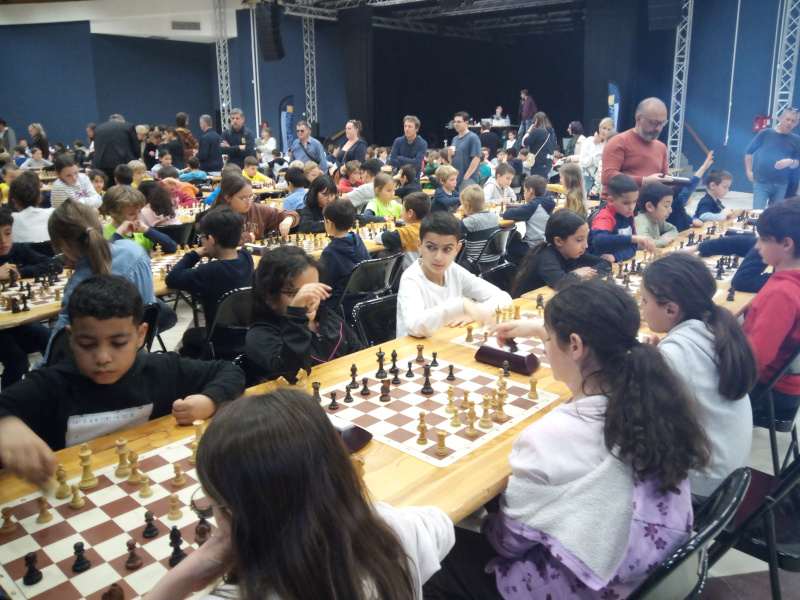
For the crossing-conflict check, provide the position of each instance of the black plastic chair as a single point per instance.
(251, 377)
(234, 316)
(370, 277)
(151, 313)
(767, 526)
(684, 573)
(461, 253)
(765, 415)
(44, 247)
(180, 234)
(501, 276)
(493, 252)
(376, 320)
(59, 348)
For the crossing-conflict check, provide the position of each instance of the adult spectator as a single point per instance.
(354, 147)
(591, 152)
(466, 150)
(637, 152)
(209, 153)
(8, 139)
(115, 143)
(498, 118)
(39, 139)
(142, 132)
(410, 148)
(573, 147)
(238, 142)
(90, 128)
(305, 148)
(489, 138)
(186, 137)
(541, 142)
(527, 109)
(769, 159)
(174, 147)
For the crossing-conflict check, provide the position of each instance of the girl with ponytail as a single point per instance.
(599, 491)
(76, 232)
(708, 350)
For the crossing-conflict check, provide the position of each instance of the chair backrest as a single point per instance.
(462, 254)
(494, 251)
(592, 215)
(371, 276)
(376, 320)
(180, 234)
(59, 347)
(792, 365)
(151, 313)
(501, 276)
(234, 312)
(44, 247)
(683, 574)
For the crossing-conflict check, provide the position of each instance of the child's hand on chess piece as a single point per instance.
(197, 407)
(24, 452)
(518, 329)
(645, 242)
(5, 271)
(472, 314)
(285, 226)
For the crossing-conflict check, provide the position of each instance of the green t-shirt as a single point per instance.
(393, 210)
(109, 229)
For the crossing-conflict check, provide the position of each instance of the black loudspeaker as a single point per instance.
(268, 28)
(664, 14)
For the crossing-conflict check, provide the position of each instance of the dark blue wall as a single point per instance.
(48, 77)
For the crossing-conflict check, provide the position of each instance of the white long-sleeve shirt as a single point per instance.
(590, 156)
(423, 306)
(83, 191)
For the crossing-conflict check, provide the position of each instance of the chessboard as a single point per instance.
(524, 346)
(396, 422)
(33, 292)
(722, 268)
(113, 513)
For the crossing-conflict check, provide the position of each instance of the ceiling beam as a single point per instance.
(476, 7)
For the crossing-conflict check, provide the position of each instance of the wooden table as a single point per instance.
(391, 475)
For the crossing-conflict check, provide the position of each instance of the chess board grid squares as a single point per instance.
(52, 577)
(98, 577)
(31, 526)
(142, 580)
(63, 548)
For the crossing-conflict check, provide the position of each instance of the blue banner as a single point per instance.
(613, 103)
(287, 126)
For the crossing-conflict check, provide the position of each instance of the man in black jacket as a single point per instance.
(238, 141)
(209, 153)
(115, 143)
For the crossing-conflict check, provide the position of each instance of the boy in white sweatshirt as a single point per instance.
(435, 291)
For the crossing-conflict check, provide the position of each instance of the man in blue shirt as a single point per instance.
(238, 142)
(409, 149)
(769, 158)
(209, 153)
(467, 152)
(306, 148)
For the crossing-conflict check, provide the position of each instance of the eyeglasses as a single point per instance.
(290, 293)
(657, 123)
(201, 505)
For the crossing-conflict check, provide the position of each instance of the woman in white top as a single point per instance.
(292, 516)
(591, 152)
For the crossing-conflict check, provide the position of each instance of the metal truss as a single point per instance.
(223, 66)
(310, 69)
(680, 78)
(541, 20)
(310, 11)
(429, 28)
(479, 6)
(786, 69)
(340, 4)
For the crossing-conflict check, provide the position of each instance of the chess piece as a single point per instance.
(731, 295)
(422, 428)
(499, 415)
(533, 394)
(506, 372)
(450, 375)
(469, 337)
(540, 300)
(516, 313)
(348, 397)
(58, 295)
(175, 543)
(385, 397)
(15, 306)
(45, 516)
(365, 390)
(63, 492)
(396, 379)
(500, 375)
(77, 500)
(150, 530)
(353, 385)
(381, 374)
(32, 575)
(451, 396)
(497, 315)
(123, 470)
(441, 449)
(25, 306)
(434, 362)
(427, 389)
(133, 462)
(8, 526)
(145, 491)
(315, 386)
(198, 429)
(163, 273)
(470, 431)
(455, 421)
(179, 480)
(81, 562)
(333, 405)
(134, 560)
(393, 369)
(420, 358)
(493, 402)
(486, 420)
(174, 513)
(192, 458)
(201, 534)
(410, 372)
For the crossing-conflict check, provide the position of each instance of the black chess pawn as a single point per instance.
(315, 387)
(333, 405)
(365, 390)
(348, 397)
(682, 243)
(353, 385)
(619, 275)
(731, 295)
(410, 372)
(506, 372)
(81, 562)
(32, 575)
(3, 288)
(450, 375)
(150, 530)
(434, 362)
(720, 271)
(427, 389)
(394, 370)
(396, 378)
(735, 263)
(25, 306)
(134, 560)
(175, 543)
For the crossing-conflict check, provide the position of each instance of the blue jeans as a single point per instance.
(767, 193)
(523, 128)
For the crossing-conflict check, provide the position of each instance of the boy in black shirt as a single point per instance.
(107, 385)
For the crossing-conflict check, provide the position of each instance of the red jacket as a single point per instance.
(773, 327)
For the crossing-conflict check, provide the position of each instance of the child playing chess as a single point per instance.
(139, 171)
(192, 172)
(561, 257)
(36, 161)
(99, 181)
(124, 204)
(237, 193)
(535, 213)
(351, 176)
(344, 252)
(16, 343)
(227, 269)
(107, 385)
(435, 291)
(613, 235)
(710, 207)
(360, 196)
(478, 225)
(292, 330)
(72, 185)
(164, 160)
(10, 172)
(321, 192)
(183, 192)
(251, 172)
(315, 534)
(416, 206)
(383, 208)
(617, 454)
(655, 202)
(707, 349)
(230, 169)
(498, 188)
(296, 184)
(123, 175)
(30, 221)
(445, 197)
(159, 210)
(407, 176)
